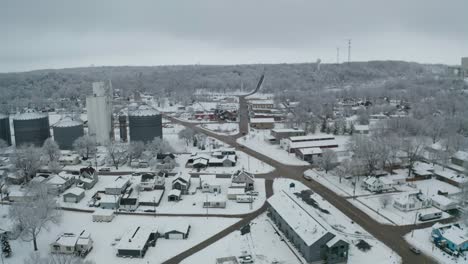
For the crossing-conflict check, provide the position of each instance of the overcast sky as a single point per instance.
(38, 34)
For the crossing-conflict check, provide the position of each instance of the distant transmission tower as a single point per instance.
(349, 50)
(337, 55)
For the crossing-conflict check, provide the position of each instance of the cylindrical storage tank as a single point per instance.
(5, 133)
(145, 123)
(66, 131)
(31, 128)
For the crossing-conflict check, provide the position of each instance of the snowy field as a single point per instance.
(421, 239)
(105, 234)
(222, 128)
(263, 244)
(341, 224)
(190, 203)
(256, 140)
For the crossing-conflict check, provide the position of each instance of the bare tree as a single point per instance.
(36, 213)
(28, 160)
(54, 166)
(135, 149)
(35, 258)
(187, 135)
(117, 153)
(328, 160)
(412, 147)
(385, 200)
(159, 146)
(51, 150)
(85, 146)
(366, 150)
(3, 145)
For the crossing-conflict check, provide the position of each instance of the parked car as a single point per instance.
(104, 169)
(253, 193)
(307, 177)
(246, 259)
(415, 250)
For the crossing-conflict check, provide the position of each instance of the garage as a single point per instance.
(177, 230)
(73, 195)
(176, 236)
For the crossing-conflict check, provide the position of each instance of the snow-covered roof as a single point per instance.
(260, 102)
(262, 120)
(103, 212)
(178, 226)
(313, 144)
(135, 238)
(462, 155)
(30, 116)
(311, 138)
(143, 110)
(183, 176)
(311, 151)
(236, 191)
(74, 191)
(455, 235)
(286, 130)
(118, 183)
(302, 222)
(56, 180)
(175, 192)
(209, 179)
(442, 200)
(68, 122)
(361, 127)
(108, 198)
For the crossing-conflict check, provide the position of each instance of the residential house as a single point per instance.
(177, 230)
(312, 237)
(136, 241)
(118, 186)
(412, 201)
(73, 195)
(200, 162)
(129, 203)
(88, 178)
(361, 129)
(262, 123)
(70, 243)
(259, 104)
(285, 143)
(243, 177)
(103, 215)
(69, 159)
(182, 182)
(233, 193)
(279, 133)
(58, 183)
(377, 184)
(460, 158)
(308, 154)
(109, 201)
(451, 238)
(443, 203)
(150, 181)
(209, 183)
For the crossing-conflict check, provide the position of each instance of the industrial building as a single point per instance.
(31, 128)
(66, 131)
(5, 133)
(99, 108)
(145, 124)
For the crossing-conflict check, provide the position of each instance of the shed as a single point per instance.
(214, 202)
(174, 195)
(135, 242)
(73, 195)
(103, 215)
(232, 193)
(177, 230)
(443, 203)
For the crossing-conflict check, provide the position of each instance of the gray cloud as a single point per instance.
(57, 33)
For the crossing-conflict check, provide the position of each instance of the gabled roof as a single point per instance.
(185, 178)
(177, 226)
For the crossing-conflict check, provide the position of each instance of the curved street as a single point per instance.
(391, 236)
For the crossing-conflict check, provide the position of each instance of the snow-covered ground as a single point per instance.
(256, 140)
(222, 128)
(371, 203)
(105, 235)
(421, 239)
(341, 224)
(263, 244)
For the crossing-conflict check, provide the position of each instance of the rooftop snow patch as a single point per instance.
(30, 116)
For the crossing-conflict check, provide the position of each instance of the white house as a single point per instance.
(103, 215)
(412, 201)
(243, 177)
(118, 186)
(69, 159)
(182, 182)
(443, 203)
(151, 181)
(70, 243)
(209, 183)
(377, 184)
(109, 201)
(232, 193)
(73, 195)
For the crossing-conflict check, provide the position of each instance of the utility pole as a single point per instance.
(349, 50)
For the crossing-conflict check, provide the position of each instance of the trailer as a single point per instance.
(430, 216)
